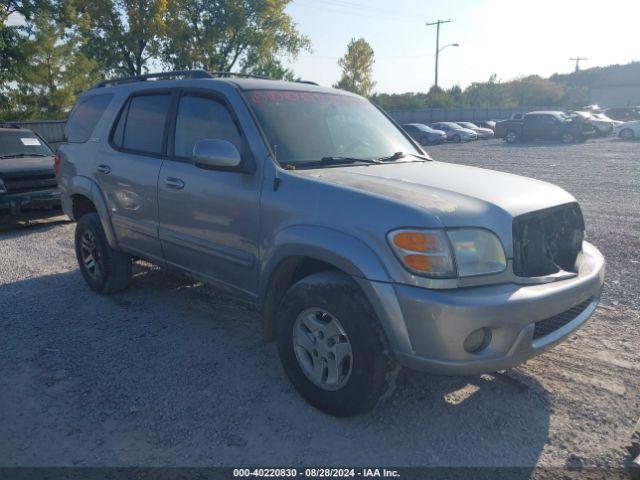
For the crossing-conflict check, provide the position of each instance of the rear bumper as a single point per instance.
(35, 204)
(437, 322)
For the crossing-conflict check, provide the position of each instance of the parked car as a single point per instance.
(623, 114)
(490, 124)
(363, 254)
(455, 133)
(483, 133)
(628, 130)
(28, 186)
(547, 125)
(602, 126)
(425, 135)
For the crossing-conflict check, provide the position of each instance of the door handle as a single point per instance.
(104, 169)
(174, 183)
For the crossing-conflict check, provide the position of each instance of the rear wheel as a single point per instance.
(511, 137)
(627, 134)
(104, 269)
(331, 346)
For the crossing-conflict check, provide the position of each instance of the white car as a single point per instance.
(628, 130)
(455, 133)
(483, 133)
(603, 124)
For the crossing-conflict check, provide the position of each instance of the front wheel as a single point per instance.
(456, 138)
(568, 137)
(627, 134)
(104, 269)
(331, 346)
(511, 137)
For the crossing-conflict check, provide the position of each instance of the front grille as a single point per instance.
(547, 241)
(551, 324)
(30, 182)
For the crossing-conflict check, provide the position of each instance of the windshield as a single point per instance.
(305, 127)
(16, 143)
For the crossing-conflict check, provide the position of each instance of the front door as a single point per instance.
(127, 171)
(209, 219)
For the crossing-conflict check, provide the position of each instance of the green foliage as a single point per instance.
(222, 35)
(525, 92)
(357, 68)
(52, 73)
(121, 35)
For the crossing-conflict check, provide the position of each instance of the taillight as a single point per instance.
(56, 163)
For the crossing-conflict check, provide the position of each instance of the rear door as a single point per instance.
(209, 218)
(128, 172)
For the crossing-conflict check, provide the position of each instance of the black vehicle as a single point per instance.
(28, 185)
(425, 135)
(545, 126)
(623, 114)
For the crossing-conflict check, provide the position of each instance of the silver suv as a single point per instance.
(363, 253)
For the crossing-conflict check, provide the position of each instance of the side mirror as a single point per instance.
(215, 154)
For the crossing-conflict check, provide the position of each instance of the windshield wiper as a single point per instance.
(18, 155)
(399, 155)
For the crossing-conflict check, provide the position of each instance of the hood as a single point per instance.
(457, 195)
(21, 165)
(465, 130)
(483, 130)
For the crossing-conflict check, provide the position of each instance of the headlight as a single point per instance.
(460, 252)
(477, 252)
(3, 187)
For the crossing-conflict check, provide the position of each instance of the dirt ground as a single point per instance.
(174, 373)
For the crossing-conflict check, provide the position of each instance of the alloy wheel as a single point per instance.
(90, 255)
(322, 348)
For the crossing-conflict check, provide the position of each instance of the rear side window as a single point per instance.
(84, 118)
(202, 118)
(141, 124)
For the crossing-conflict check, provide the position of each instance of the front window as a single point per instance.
(304, 127)
(22, 143)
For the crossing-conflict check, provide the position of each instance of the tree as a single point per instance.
(357, 68)
(122, 35)
(225, 35)
(45, 86)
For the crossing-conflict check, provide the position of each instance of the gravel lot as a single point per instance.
(172, 372)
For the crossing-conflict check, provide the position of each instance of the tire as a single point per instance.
(627, 134)
(104, 269)
(456, 138)
(511, 137)
(331, 302)
(568, 137)
(424, 141)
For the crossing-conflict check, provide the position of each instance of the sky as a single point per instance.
(510, 38)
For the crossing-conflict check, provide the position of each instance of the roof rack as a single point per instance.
(174, 74)
(308, 82)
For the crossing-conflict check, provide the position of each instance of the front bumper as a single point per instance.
(435, 323)
(40, 203)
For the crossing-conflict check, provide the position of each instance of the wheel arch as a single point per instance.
(84, 196)
(301, 251)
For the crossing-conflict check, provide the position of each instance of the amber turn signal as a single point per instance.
(416, 241)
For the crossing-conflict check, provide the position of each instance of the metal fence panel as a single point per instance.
(430, 115)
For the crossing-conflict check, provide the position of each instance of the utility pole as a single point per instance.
(577, 60)
(437, 24)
